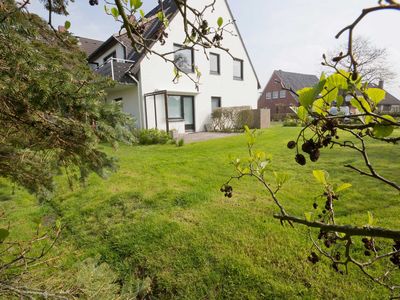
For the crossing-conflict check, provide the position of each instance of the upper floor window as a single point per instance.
(238, 69)
(268, 95)
(184, 58)
(282, 94)
(215, 65)
(111, 55)
(275, 95)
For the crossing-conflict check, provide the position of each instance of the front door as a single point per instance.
(188, 108)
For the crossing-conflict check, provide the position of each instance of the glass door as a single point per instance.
(188, 109)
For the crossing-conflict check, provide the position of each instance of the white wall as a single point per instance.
(156, 74)
(119, 49)
(129, 95)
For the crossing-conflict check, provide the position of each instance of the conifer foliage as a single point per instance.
(52, 106)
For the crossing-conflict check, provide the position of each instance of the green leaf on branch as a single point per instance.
(306, 96)
(376, 95)
(330, 95)
(361, 104)
(160, 16)
(382, 131)
(4, 233)
(220, 21)
(115, 12)
(336, 81)
(302, 113)
(136, 4)
(308, 216)
(321, 176)
(339, 101)
(67, 25)
(281, 178)
(320, 107)
(371, 220)
(343, 187)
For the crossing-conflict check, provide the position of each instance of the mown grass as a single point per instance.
(162, 216)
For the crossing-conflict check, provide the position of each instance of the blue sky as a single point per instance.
(290, 35)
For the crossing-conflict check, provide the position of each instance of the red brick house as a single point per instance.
(279, 100)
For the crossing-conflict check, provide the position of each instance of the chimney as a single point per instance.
(61, 29)
(380, 85)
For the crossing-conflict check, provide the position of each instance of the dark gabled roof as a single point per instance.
(88, 45)
(389, 98)
(110, 42)
(296, 81)
(152, 31)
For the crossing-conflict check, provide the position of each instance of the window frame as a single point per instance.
(268, 95)
(112, 54)
(182, 47)
(241, 69)
(275, 93)
(219, 102)
(218, 72)
(182, 117)
(284, 94)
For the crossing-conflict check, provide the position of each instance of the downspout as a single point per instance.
(139, 98)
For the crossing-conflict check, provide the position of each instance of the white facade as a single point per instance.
(156, 75)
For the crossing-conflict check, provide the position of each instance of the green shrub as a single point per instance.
(180, 142)
(291, 122)
(152, 137)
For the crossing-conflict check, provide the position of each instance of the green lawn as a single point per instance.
(162, 217)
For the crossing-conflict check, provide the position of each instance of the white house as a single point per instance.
(145, 86)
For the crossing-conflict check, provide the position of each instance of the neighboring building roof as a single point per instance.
(88, 45)
(296, 81)
(389, 98)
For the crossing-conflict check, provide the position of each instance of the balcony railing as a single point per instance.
(116, 69)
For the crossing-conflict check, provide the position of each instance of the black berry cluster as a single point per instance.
(395, 258)
(313, 258)
(227, 189)
(369, 245)
(93, 2)
(329, 238)
(325, 133)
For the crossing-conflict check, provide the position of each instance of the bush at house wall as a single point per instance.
(231, 119)
(152, 136)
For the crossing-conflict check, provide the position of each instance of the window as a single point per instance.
(269, 95)
(238, 69)
(182, 108)
(275, 95)
(184, 58)
(175, 107)
(113, 54)
(215, 64)
(282, 94)
(215, 103)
